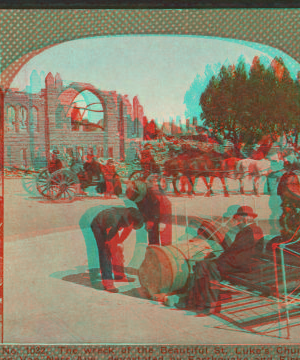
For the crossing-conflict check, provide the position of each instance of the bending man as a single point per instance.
(105, 227)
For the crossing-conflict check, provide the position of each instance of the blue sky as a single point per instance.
(159, 69)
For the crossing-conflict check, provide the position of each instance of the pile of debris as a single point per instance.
(14, 172)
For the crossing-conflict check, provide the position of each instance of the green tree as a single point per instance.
(248, 105)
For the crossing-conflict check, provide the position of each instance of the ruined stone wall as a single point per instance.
(23, 139)
(29, 141)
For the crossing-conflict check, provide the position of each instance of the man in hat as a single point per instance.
(91, 168)
(54, 163)
(236, 258)
(147, 160)
(156, 210)
(106, 226)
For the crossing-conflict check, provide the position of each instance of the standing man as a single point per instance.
(156, 209)
(105, 227)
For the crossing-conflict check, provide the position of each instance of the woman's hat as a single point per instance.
(245, 211)
(136, 190)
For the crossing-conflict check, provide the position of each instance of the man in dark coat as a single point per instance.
(289, 191)
(237, 258)
(156, 209)
(54, 163)
(105, 227)
(90, 168)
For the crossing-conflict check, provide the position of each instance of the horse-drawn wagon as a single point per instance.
(68, 178)
(182, 163)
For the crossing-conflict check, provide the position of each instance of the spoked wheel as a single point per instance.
(64, 184)
(45, 187)
(29, 183)
(139, 175)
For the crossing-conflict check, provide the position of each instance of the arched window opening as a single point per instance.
(79, 152)
(11, 119)
(9, 156)
(100, 152)
(23, 157)
(22, 118)
(33, 119)
(111, 152)
(86, 113)
(136, 127)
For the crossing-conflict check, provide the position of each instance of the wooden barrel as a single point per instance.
(166, 268)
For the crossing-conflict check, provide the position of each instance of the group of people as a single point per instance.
(112, 226)
(89, 170)
(153, 210)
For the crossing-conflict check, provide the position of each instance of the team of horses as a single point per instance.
(211, 165)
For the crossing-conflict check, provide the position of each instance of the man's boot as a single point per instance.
(109, 286)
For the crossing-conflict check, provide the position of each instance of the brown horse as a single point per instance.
(184, 166)
(223, 168)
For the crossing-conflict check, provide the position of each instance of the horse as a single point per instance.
(204, 166)
(189, 167)
(258, 168)
(223, 168)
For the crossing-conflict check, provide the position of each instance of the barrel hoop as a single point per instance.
(158, 250)
(186, 263)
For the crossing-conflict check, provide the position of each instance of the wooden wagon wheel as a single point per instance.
(45, 187)
(139, 175)
(29, 183)
(67, 183)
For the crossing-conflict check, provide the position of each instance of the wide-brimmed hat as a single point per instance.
(136, 190)
(245, 211)
(55, 151)
(136, 217)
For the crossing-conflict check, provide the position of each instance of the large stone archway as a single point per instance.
(46, 131)
(21, 41)
(108, 138)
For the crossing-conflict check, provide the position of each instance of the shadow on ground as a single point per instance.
(91, 278)
(235, 310)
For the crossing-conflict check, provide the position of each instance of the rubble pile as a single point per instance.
(160, 152)
(13, 172)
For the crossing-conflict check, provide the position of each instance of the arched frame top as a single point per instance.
(279, 28)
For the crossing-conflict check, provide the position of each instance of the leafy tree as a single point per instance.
(247, 105)
(191, 98)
